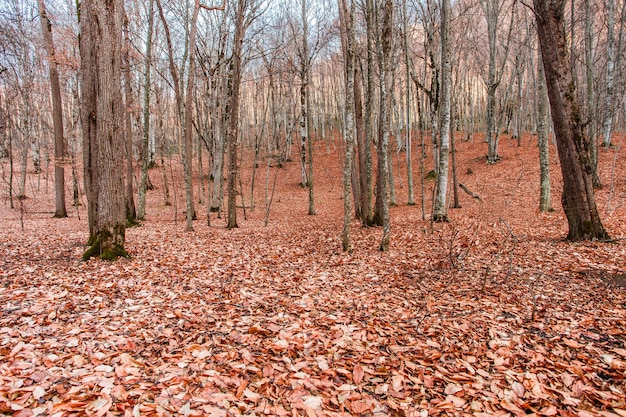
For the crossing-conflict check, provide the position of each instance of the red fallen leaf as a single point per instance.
(361, 406)
(257, 329)
(398, 395)
(268, 371)
(25, 412)
(549, 411)
(518, 389)
(99, 407)
(357, 374)
(572, 343)
(241, 388)
(429, 381)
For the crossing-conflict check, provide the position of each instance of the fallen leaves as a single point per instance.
(278, 321)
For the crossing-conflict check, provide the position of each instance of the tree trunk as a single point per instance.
(543, 130)
(368, 194)
(384, 47)
(364, 210)
(131, 212)
(145, 158)
(440, 210)
(102, 120)
(347, 23)
(233, 129)
(57, 114)
(610, 72)
(578, 197)
(188, 126)
(407, 124)
(591, 95)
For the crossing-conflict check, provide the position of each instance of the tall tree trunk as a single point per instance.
(145, 159)
(131, 212)
(384, 47)
(180, 104)
(102, 119)
(57, 114)
(305, 109)
(368, 210)
(440, 210)
(347, 23)
(610, 72)
(409, 143)
(591, 95)
(578, 197)
(188, 126)
(233, 129)
(492, 10)
(363, 207)
(543, 130)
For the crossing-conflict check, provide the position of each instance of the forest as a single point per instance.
(312, 208)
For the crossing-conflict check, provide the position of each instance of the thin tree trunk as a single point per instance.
(543, 131)
(385, 34)
(131, 212)
(145, 159)
(57, 114)
(368, 212)
(347, 17)
(610, 72)
(188, 126)
(440, 210)
(233, 129)
(409, 144)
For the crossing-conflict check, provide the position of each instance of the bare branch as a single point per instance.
(222, 7)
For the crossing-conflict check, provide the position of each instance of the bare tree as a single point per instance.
(347, 24)
(543, 131)
(233, 127)
(57, 113)
(610, 72)
(103, 139)
(578, 196)
(440, 209)
(591, 95)
(408, 141)
(147, 86)
(492, 10)
(384, 37)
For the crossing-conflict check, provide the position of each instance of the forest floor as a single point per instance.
(493, 313)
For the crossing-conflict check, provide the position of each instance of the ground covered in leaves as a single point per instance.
(490, 314)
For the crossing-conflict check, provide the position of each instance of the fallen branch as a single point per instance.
(468, 191)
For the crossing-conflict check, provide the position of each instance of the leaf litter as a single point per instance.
(491, 314)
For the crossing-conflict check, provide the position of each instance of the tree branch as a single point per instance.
(222, 7)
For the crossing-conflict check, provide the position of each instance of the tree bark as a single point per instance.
(131, 212)
(188, 126)
(578, 196)
(347, 24)
(145, 159)
(384, 48)
(102, 120)
(57, 114)
(543, 130)
(233, 129)
(591, 95)
(610, 72)
(408, 141)
(440, 210)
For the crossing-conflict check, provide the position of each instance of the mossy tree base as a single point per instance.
(106, 245)
(440, 218)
